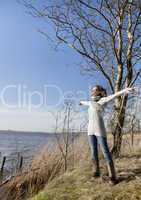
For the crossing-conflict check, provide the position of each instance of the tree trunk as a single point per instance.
(132, 138)
(117, 132)
(132, 130)
(116, 149)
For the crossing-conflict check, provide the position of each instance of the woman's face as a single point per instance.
(95, 92)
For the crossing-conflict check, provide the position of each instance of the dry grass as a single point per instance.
(79, 184)
(45, 167)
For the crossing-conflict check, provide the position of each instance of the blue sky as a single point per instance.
(28, 59)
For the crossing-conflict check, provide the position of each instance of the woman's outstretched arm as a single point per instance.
(85, 103)
(113, 96)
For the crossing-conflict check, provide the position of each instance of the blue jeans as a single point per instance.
(102, 141)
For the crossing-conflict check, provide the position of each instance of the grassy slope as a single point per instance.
(79, 184)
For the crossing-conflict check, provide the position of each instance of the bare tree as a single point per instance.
(63, 131)
(107, 34)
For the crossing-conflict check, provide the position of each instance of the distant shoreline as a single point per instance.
(49, 134)
(25, 132)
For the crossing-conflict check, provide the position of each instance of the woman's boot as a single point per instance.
(112, 173)
(96, 168)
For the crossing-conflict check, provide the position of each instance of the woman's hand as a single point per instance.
(131, 90)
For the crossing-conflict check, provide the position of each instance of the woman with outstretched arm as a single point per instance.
(96, 128)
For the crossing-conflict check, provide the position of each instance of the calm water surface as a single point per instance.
(27, 144)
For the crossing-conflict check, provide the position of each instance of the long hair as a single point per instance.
(98, 90)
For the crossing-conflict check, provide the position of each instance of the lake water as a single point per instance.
(25, 143)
